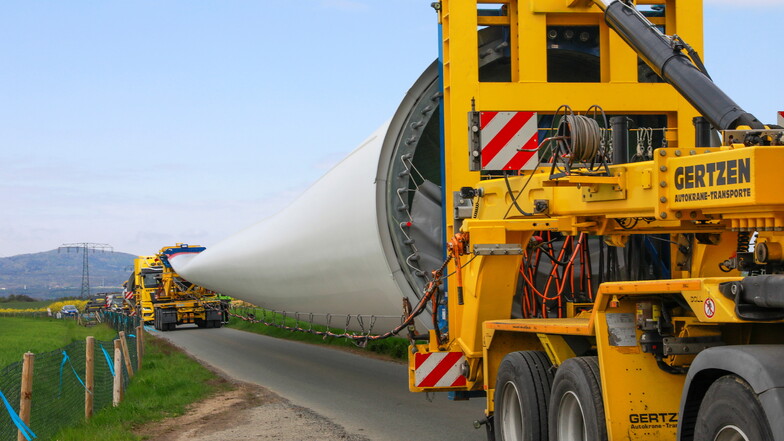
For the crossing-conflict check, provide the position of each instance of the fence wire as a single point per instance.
(58, 382)
(10, 386)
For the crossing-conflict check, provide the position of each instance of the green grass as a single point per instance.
(26, 305)
(394, 347)
(167, 383)
(20, 335)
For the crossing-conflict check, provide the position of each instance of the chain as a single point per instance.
(364, 336)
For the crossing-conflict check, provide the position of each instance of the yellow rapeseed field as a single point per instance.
(54, 307)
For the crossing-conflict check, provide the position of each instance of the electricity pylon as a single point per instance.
(85, 247)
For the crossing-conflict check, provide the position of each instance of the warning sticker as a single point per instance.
(621, 329)
(710, 307)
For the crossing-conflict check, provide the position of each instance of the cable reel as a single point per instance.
(579, 144)
(585, 137)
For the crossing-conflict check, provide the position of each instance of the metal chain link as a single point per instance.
(362, 337)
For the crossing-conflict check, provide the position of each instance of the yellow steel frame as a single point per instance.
(656, 189)
(530, 91)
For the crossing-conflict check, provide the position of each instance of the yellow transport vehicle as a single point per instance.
(619, 272)
(165, 299)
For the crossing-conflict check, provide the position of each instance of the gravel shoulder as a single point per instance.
(247, 412)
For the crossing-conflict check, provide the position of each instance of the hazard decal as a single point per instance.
(439, 369)
(508, 140)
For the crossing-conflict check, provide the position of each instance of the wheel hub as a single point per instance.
(571, 421)
(511, 414)
(730, 433)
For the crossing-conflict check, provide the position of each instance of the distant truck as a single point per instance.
(165, 300)
(116, 302)
(95, 303)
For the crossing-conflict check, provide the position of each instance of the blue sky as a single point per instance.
(145, 123)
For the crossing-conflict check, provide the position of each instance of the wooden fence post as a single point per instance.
(139, 346)
(126, 354)
(26, 392)
(117, 389)
(89, 378)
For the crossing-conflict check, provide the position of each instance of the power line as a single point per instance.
(85, 247)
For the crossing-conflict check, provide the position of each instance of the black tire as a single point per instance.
(731, 411)
(576, 407)
(157, 319)
(200, 323)
(522, 393)
(217, 324)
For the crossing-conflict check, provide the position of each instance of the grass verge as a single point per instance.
(38, 335)
(39, 304)
(394, 347)
(167, 383)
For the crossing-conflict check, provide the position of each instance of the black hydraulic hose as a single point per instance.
(664, 55)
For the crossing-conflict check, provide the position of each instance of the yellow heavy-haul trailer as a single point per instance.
(165, 300)
(618, 271)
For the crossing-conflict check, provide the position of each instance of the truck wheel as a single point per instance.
(731, 411)
(576, 408)
(522, 391)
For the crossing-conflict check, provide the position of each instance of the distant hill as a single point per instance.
(53, 274)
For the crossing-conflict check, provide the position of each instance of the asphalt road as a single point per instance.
(364, 395)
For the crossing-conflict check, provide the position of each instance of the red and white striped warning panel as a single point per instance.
(439, 369)
(781, 118)
(508, 140)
